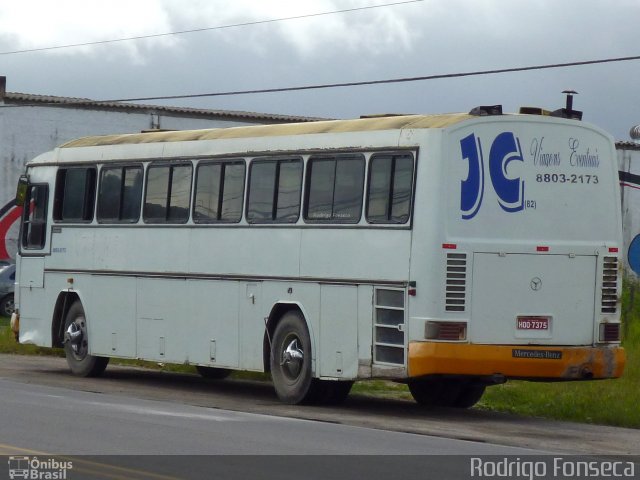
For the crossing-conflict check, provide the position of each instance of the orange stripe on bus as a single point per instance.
(515, 361)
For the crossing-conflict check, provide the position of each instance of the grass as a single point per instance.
(605, 402)
(9, 345)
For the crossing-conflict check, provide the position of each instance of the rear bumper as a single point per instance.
(515, 361)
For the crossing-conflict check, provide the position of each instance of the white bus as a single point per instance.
(450, 252)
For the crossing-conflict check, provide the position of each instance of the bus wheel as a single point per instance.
(469, 395)
(213, 373)
(333, 392)
(291, 360)
(76, 345)
(435, 393)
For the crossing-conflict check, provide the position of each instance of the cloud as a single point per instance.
(36, 24)
(429, 37)
(42, 23)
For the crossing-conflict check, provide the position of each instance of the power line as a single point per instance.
(196, 30)
(343, 84)
(380, 82)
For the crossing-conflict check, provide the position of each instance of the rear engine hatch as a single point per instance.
(533, 299)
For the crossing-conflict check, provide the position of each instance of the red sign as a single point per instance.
(9, 215)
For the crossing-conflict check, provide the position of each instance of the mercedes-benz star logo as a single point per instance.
(536, 284)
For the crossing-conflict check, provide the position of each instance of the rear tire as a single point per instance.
(446, 392)
(76, 345)
(213, 373)
(435, 393)
(290, 361)
(469, 396)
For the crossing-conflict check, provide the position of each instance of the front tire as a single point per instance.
(213, 373)
(290, 360)
(76, 345)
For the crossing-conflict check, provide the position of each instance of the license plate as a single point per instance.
(532, 323)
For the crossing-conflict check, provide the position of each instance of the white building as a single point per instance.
(33, 124)
(629, 169)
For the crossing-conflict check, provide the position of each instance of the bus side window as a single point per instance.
(74, 195)
(334, 189)
(390, 185)
(219, 192)
(34, 228)
(120, 194)
(275, 187)
(168, 194)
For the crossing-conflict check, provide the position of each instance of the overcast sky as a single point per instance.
(416, 39)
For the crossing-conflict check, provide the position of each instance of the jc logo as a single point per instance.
(510, 191)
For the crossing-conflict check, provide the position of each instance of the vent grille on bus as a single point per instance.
(389, 329)
(456, 287)
(610, 285)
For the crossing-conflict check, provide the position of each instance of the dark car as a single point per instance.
(7, 281)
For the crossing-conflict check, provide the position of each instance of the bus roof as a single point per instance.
(332, 126)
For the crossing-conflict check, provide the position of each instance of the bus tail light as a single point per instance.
(452, 331)
(609, 332)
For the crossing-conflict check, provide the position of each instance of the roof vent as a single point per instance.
(568, 111)
(385, 115)
(534, 111)
(635, 132)
(484, 110)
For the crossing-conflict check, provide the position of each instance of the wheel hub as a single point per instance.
(75, 336)
(292, 359)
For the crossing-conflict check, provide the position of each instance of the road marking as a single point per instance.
(142, 410)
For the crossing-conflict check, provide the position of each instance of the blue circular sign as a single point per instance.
(633, 255)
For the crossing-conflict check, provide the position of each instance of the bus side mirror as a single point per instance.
(21, 193)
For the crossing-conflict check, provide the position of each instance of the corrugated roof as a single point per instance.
(333, 126)
(28, 98)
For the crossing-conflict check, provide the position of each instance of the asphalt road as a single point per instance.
(132, 411)
(71, 422)
(113, 436)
